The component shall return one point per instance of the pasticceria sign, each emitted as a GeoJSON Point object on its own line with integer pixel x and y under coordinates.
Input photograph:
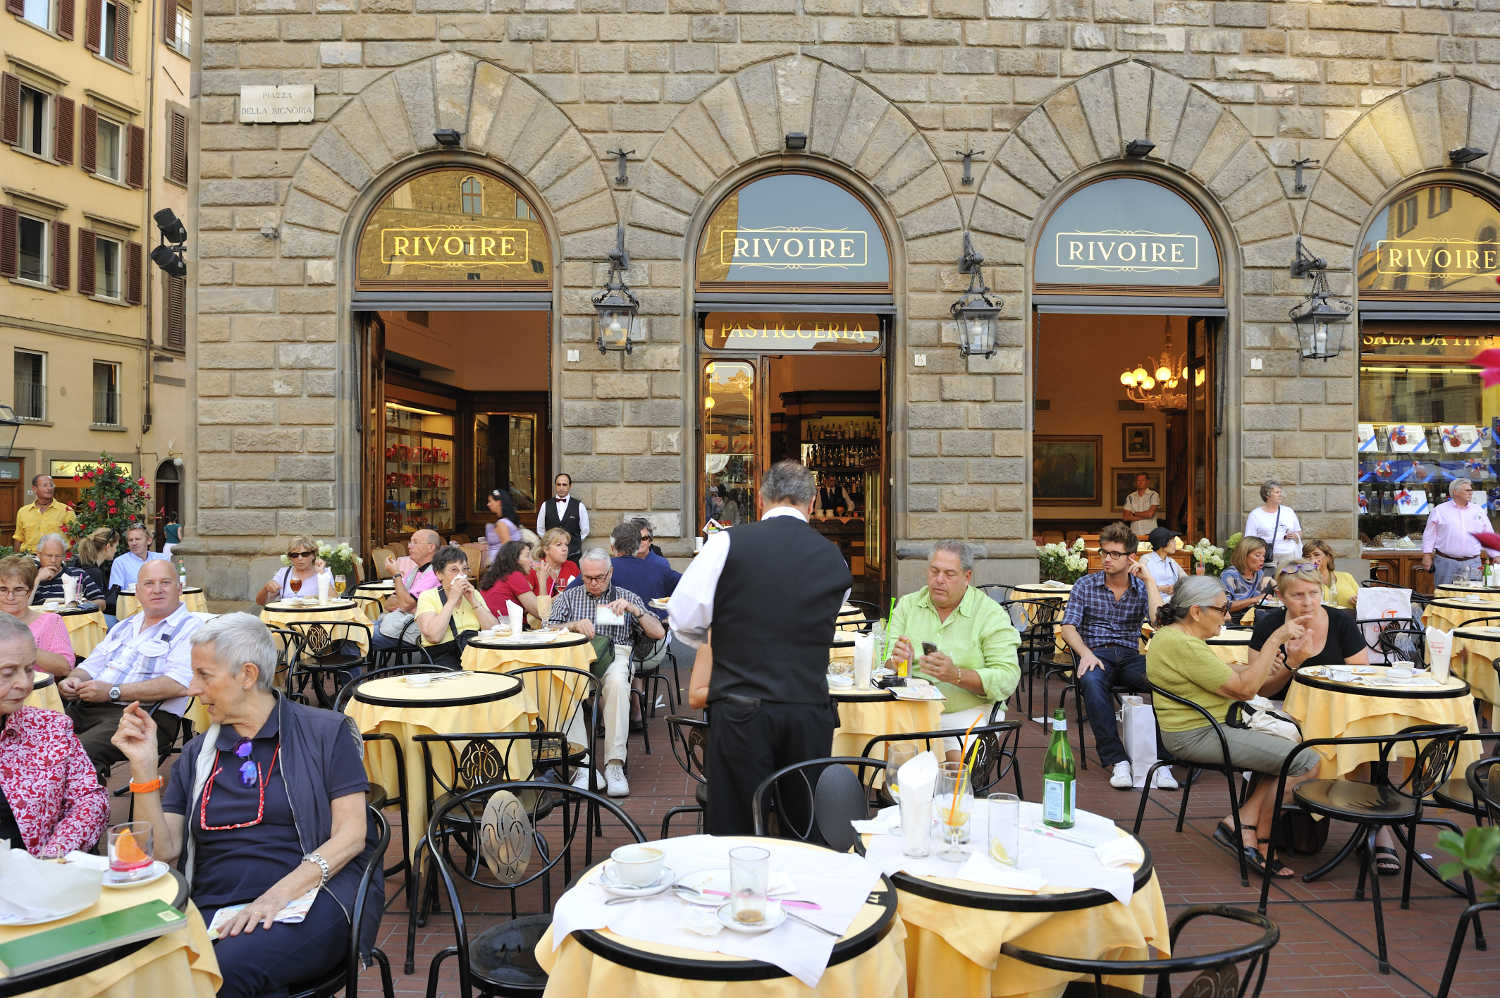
{"type": "Point", "coordinates": [450, 246]}
{"type": "Point", "coordinates": [791, 331]}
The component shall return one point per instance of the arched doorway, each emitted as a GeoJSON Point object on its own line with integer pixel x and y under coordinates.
{"type": "Point", "coordinates": [453, 289]}
{"type": "Point", "coordinates": [794, 313]}
{"type": "Point", "coordinates": [1129, 309]}
{"type": "Point", "coordinates": [168, 499]}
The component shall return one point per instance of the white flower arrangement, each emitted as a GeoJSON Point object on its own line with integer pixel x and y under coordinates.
{"type": "Point", "coordinates": [1210, 557]}
{"type": "Point", "coordinates": [1061, 562]}
{"type": "Point", "coordinates": [340, 559]}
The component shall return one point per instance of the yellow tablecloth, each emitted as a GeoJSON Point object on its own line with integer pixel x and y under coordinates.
{"type": "Point", "coordinates": [1474, 661]}
{"type": "Point", "coordinates": [46, 697]}
{"type": "Point", "coordinates": [85, 630]}
{"type": "Point", "coordinates": [1325, 714]}
{"type": "Point", "coordinates": [275, 616]}
{"type": "Point", "coordinates": [176, 965]}
{"type": "Point", "coordinates": [373, 608]}
{"type": "Point", "coordinates": [1451, 591]}
{"type": "Point", "coordinates": [859, 722]}
{"type": "Point", "coordinates": [476, 659]}
{"type": "Point", "coordinates": [514, 713]}
{"type": "Point", "coordinates": [1445, 615]}
{"type": "Point", "coordinates": [1231, 652]}
{"type": "Point", "coordinates": [127, 606]}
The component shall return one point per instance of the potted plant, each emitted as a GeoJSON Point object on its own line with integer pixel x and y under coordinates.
{"type": "Point", "coordinates": [1060, 563]}
{"type": "Point", "coordinates": [111, 498]}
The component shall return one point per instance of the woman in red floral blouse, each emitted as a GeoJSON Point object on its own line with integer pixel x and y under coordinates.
{"type": "Point", "coordinates": [51, 802]}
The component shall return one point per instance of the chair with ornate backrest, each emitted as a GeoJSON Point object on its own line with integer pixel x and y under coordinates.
{"type": "Point", "coordinates": [1038, 622]}
{"type": "Point", "coordinates": [1483, 778]}
{"type": "Point", "coordinates": [327, 648]}
{"type": "Point", "coordinates": [689, 737]}
{"type": "Point", "coordinates": [566, 700]}
{"type": "Point", "coordinates": [1218, 971]}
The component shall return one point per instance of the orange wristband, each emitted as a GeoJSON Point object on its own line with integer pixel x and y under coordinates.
{"type": "Point", "coordinates": [145, 788]}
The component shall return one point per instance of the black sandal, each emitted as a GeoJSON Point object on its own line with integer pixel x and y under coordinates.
{"type": "Point", "coordinates": [1387, 861]}
{"type": "Point", "coordinates": [1259, 861]}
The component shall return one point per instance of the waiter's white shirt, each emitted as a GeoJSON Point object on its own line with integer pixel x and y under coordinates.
{"type": "Point", "coordinates": [1138, 502]}
{"type": "Point", "coordinates": [562, 507]}
{"type": "Point", "coordinates": [691, 612]}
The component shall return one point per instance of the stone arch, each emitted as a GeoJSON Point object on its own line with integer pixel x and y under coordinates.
{"type": "Point", "coordinates": [499, 115]}
{"type": "Point", "coordinates": [1406, 135]}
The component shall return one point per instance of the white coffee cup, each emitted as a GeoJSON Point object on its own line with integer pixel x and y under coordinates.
{"type": "Point", "coordinates": [638, 865]}
{"type": "Point", "coordinates": [1399, 672]}
{"type": "Point", "coordinates": [1341, 675]}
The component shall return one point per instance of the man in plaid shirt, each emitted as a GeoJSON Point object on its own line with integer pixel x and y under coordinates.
{"type": "Point", "coordinates": [1102, 624]}
{"type": "Point", "coordinates": [592, 610]}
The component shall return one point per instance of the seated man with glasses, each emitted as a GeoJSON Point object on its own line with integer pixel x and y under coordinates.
{"type": "Point", "coordinates": [1102, 624]}
{"type": "Point", "coordinates": [613, 618]}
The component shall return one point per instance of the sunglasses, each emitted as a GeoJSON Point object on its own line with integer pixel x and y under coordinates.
{"type": "Point", "coordinates": [1297, 566]}
{"type": "Point", "coordinates": [300, 554]}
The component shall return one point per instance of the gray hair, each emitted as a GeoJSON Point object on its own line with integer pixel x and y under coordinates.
{"type": "Point", "coordinates": [141, 527]}
{"type": "Point", "coordinates": [49, 538]}
{"type": "Point", "coordinates": [1266, 487]}
{"type": "Point", "coordinates": [625, 538]}
{"type": "Point", "coordinates": [236, 638]}
{"type": "Point", "coordinates": [11, 629]}
{"type": "Point", "coordinates": [1452, 489]}
{"type": "Point", "coordinates": [595, 554]}
{"type": "Point", "coordinates": [789, 482]}
{"type": "Point", "coordinates": [964, 552]}
{"type": "Point", "coordinates": [1195, 590]}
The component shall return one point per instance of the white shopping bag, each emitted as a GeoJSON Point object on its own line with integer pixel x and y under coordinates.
{"type": "Point", "coordinates": [1138, 732]}
{"type": "Point", "coordinates": [1378, 607]}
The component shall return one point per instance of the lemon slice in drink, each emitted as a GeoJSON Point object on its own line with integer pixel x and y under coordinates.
{"type": "Point", "coordinates": [999, 855]}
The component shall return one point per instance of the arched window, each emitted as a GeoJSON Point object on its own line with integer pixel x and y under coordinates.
{"type": "Point", "coordinates": [471, 193]}
{"type": "Point", "coordinates": [1439, 238]}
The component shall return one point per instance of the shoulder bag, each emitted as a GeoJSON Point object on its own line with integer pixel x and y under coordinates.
{"type": "Point", "coordinates": [450, 652]}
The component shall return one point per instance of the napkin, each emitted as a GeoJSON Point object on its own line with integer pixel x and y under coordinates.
{"type": "Point", "coordinates": [323, 581]}
{"type": "Point", "coordinates": [70, 588]}
{"type": "Point", "coordinates": [1123, 851]}
{"type": "Point", "coordinates": [1439, 653]}
{"type": "Point", "coordinates": [864, 654]}
{"type": "Point", "coordinates": [517, 617]}
{"type": "Point", "coordinates": [916, 779]}
{"type": "Point", "coordinates": [982, 870]}
{"type": "Point", "coordinates": [50, 890]}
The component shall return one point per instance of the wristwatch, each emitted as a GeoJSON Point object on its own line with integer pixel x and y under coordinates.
{"type": "Point", "coordinates": [114, 693]}
{"type": "Point", "coordinates": [321, 863]}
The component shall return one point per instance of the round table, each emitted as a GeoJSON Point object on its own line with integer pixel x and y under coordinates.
{"type": "Point", "coordinates": [126, 604]}
{"type": "Point", "coordinates": [44, 694]}
{"type": "Point", "coordinates": [470, 702]}
{"type": "Point", "coordinates": [1475, 650]}
{"type": "Point", "coordinates": [372, 596]}
{"type": "Point", "coordinates": [1446, 614]}
{"type": "Point", "coordinates": [501, 654]}
{"type": "Point", "coordinates": [1232, 647]}
{"type": "Point", "coordinates": [180, 963]}
{"type": "Point", "coordinates": [1324, 708]}
{"type": "Point", "coordinates": [1453, 590]}
{"type": "Point", "coordinates": [282, 613]}
{"type": "Point", "coordinates": [864, 714]}
{"type": "Point", "coordinates": [86, 627]}
{"type": "Point", "coordinates": [1040, 590]}
{"type": "Point", "coordinates": [865, 962]}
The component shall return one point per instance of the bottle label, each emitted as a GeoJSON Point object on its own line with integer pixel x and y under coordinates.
{"type": "Point", "coordinates": [1057, 796]}
{"type": "Point", "coordinates": [1059, 725]}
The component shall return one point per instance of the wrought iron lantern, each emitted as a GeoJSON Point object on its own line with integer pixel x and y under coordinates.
{"type": "Point", "coordinates": [1320, 318]}
{"type": "Point", "coordinates": [617, 327]}
{"type": "Point", "coordinates": [976, 313]}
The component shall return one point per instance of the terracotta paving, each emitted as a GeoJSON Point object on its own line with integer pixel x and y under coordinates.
{"type": "Point", "coordinates": [1327, 945]}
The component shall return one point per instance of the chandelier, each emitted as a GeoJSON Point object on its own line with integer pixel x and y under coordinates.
{"type": "Point", "coordinates": [1154, 384]}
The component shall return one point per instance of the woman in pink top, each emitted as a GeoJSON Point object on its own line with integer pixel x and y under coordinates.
{"type": "Point", "coordinates": [54, 649]}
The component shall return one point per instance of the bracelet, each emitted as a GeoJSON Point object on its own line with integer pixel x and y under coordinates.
{"type": "Point", "coordinates": [145, 788]}
{"type": "Point", "coordinates": [321, 863]}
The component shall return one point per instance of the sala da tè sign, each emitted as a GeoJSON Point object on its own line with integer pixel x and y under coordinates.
{"type": "Point", "coordinates": [440, 245]}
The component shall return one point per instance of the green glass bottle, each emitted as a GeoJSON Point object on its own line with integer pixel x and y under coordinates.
{"type": "Point", "coordinates": [1059, 782]}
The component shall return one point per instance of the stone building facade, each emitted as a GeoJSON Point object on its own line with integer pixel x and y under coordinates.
{"type": "Point", "coordinates": [889, 94]}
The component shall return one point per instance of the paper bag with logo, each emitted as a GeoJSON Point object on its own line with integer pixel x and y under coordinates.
{"type": "Point", "coordinates": [1138, 733]}
{"type": "Point", "coordinates": [1379, 607]}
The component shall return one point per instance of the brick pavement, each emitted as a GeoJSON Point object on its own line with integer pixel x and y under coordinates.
{"type": "Point", "coordinates": [1328, 942]}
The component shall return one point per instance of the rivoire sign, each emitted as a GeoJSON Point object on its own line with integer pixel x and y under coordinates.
{"type": "Point", "coordinates": [447, 246]}
{"type": "Point", "coordinates": [793, 248]}
{"type": "Point", "coordinates": [1436, 258]}
{"type": "Point", "coordinates": [1127, 251]}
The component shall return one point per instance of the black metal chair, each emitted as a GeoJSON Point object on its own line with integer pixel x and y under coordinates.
{"type": "Point", "coordinates": [1372, 806]}
{"type": "Point", "coordinates": [996, 591]}
{"type": "Point", "coordinates": [814, 800]}
{"type": "Point", "coordinates": [404, 652]}
{"type": "Point", "coordinates": [500, 959]}
{"type": "Point", "coordinates": [327, 649]}
{"type": "Point", "coordinates": [1037, 621]}
{"type": "Point", "coordinates": [1218, 972]}
{"type": "Point", "coordinates": [994, 745]}
{"type": "Point", "coordinates": [1395, 638]}
{"type": "Point", "coordinates": [689, 738]}
{"type": "Point", "coordinates": [1483, 778]}
{"type": "Point", "coordinates": [1457, 793]}
{"type": "Point", "coordinates": [561, 695]}
{"type": "Point", "coordinates": [345, 978]}
{"type": "Point", "coordinates": [1230, 771]}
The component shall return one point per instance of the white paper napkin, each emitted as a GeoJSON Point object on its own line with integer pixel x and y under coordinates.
{"type": "Point", "coordinates": [982, 870]}
{"type": "Point", "coordinates": [32, 888]}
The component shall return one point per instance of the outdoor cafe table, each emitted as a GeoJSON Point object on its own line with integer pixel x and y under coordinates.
{"type": "Point", "coordinates": [1475, 650]}
{"type": "Point", "coordinates": [866, 962]}
{"type": "Point", "coordinates": [284, 612]}
{"type": "Point", "coordinates": [501, 654]}
{"type": "Point", "coordinates": [85, 626]}
{"type": "Point", "coordinates": [469, 703]}
{"type": "Point", "coordinates": [44, 694]}
{"type": "Point", "coordinates": [1232, 646]}
{"type": "Point", "coordinates": [954, 929]}
{"type": "Point", "coordinates": [1324, 708]}
{"type": "Point", "coordinates": [126, 604]}
{"type": "Point", "coordinates": [1446, 614]}
{"type": "Point", "coordinates": [863, 714]}
{"type": "Point", "coordinates": [1452, 590]}
{"type": "Point", "coordinates": [374, 589]}
{"type": "Point", "coordinates": [179, 964]}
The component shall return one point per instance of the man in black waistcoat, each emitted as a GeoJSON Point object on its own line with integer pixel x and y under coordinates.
{"type": "Point", "coordinates": [771, 591]}
{"type": "Point", "coordinates": [566, 512]}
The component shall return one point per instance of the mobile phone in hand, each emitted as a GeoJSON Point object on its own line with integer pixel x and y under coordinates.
{"type": "Point", "coordinates": [928, 648]}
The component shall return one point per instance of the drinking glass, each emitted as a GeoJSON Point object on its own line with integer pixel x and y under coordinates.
{"type": "Point", "coordinates": [749, 879]}
{"type": "Point", "coordinates": [955, 802]}
{"type": "Point", "coordinates": [1005, 828]}
{"type": "Point", "coordinates": [295, 584]}
{"type": "Point", "coordinates": [338, 584]}
{"type": "Point", "coordinates": [130, 851]}
{"type": "Point", "coordinates": [897, 754]}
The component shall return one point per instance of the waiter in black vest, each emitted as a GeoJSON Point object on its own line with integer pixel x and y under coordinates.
{"type": "Point", "coordinates": [771, 591]}
{"type": "Point", "coordinates": [566, 512]}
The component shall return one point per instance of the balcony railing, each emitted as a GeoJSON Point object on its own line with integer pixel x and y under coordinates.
{"type": "Point", "coordinates": [31, 400]}
{"type": "Point", "coordinates": [106, 408]}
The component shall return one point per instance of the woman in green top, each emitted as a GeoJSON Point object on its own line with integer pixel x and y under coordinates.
{"type": "Point", "coordinates": [1179, 662]}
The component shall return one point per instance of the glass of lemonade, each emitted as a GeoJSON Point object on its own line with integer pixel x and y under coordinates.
{"type": "Point", "coordinates": [1005, 828]}
{"type": "Point", "coordinates": [954, 804]}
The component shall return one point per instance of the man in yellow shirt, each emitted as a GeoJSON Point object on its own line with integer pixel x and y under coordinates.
{"type": "Point", "coordinates": [36, 520]}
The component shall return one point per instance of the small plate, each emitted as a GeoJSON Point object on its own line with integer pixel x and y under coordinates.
{"type": "Point", "coordinates": [49, 918]}
{"type": "Point", "coordinates": [775, 916]}
{"type": "Point", "coordinates": [842, 682]}
{"type": "Point", "coordinates": [660, 604]}
{"type": "Point", "coordinates": [158, 870]}
{"type": "Point", "coordinates": [608, 882]}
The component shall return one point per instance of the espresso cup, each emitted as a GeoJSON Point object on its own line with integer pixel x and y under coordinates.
{"type": "Point", "coordinates": [637, 865]}
{"type": "Point", "coordinates": [1341, 675]}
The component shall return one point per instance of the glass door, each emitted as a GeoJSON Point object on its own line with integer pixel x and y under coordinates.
{"type": "Point", "coordinates": [731, 436]}
{"type": "Point", "coordinates": [505, 457]}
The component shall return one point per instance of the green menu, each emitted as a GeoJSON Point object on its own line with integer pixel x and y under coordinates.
{"type": "Point", "coordinates": [90, 936]}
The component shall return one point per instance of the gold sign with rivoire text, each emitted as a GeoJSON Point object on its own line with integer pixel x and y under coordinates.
{"type": "Point", "coordinates": [793, 249]}
{"type": "Point", "coordinates": [1127, 251]}
{"type": "Point", "coordinates": [444, 246]}
{"type": "Point", "coordinates": [1437, 258]}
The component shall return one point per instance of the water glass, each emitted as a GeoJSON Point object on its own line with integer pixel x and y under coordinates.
{"type": "Point", "coordinates": [130, 851]}
{"type": "Point", "coordinates": [955, 802]}
{"type": "Point", "coordinates": [897, 754]}
{"type": "Point", "coordinates": [749, 881]}
{"type": "Point", "coordinates": [916, 825]}
{"type": "Point", "coordinates": [1005, 828]}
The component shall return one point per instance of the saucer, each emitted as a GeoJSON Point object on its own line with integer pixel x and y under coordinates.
{"type": "Point", "coordinates": [843, 682]}
{"type": "Point", "coordinates": [158, 870]}
{"type": "Point", "coordinates": [608, 882]}
{"type": "Point", "coordinates": [774, 917]}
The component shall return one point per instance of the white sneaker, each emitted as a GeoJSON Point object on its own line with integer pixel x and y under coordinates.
{"type": "Point", "coordinates": [614, 780]}
{"type": "Point", "coordinates": [1122, 780]}
{"type": "Point", "coordinates": [1164, 780]}
{"type": "Point", "coordinates": [581, 778]}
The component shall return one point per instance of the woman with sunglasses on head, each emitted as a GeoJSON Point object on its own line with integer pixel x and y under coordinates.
{"type": "Point", "coordinates": [1326, 639]}
{"type": "Point", "coordinates": [1179, 661]}
{"type": "Point", "coordinates": [299, 577]}
{"type": "Point", "coordinates": [266, 806]}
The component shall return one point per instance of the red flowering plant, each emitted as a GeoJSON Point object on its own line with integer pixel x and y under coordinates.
{"type": "Point", "coordinates": [110, 498]}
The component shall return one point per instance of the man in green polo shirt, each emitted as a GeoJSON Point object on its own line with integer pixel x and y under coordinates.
{"type": "Point", "coordinates": [975, 665]}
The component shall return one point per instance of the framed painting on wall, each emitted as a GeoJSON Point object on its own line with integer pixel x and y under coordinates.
{"type": "Point", "coordinates": [1066, 471]}
{"type": "Point", "coordinates": [1122, 483]}
{"type": "Point", "coordinates": [1138, 441]}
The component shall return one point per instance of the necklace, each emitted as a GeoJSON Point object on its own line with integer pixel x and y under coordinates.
{"type": "Point", "coordinates": [249, 773]}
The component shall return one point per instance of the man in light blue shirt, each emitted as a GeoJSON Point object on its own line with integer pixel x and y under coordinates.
{"type": "Point", "coordinates": [128, 565]}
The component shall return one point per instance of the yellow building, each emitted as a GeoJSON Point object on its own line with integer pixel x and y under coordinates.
{"type": "Point", "coordinates": [88, 91]}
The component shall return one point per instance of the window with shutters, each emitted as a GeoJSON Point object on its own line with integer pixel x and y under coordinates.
{"type": "Point", "coordinates": [106, 393]}
{"type": "Point", "coordinates": [35, 122]}
{"type": "Point", "coordinates": [177, 146]}
{"type": "Point", "coordinates": [31, 385]}
{"type": "Point", "coordinates": [182, 31]}
{"type": "Point", "coordinates": [174, 312]}
{"type": "Point", "coordinates": [32, 254]}
{"type": "Point", "coordinates": [109, 150]}
{"type": "Point", "coordinates": [114, 31]}
{"type": "Point", "coordinates": [109, 265]}
{"type": "Point", "coordinates": [38, 12]}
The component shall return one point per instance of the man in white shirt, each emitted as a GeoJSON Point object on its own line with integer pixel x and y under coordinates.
{"type": "Point", "coordinates": [564, 511]}
{"type": "Point", "coordinates": [1141, 506]}
{"type": "Point", "coordinates": [145, 659]}
{"type": "Point", "coordinates": [128, 565]}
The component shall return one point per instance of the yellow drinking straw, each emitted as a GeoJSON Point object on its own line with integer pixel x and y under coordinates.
{"type": "Point", "coordinates": [963, 769]}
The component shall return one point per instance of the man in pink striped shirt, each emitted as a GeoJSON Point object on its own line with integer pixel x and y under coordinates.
{"type": "Point", "coordinates": [1449, 535]}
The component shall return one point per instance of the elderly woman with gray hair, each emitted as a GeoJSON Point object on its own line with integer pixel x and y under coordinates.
{"type": "Point", "coordinates": [1277, 525]}
{"type": "Point", "coordinates": [1181, 663]}
{"type": "Point", "coordinates": [263, 808]}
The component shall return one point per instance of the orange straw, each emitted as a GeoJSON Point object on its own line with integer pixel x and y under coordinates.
{"type": "Point", "coordinates": [963, 768]}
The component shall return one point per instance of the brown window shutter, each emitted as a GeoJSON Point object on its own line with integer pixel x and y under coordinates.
{"type": "Point", "coordinates": [86, 262]}
{"type": "Point", "coordinates": [135, 167]}
{"type": "Point", "coordinates": [174, 316]}
{"type": "Point", "coordinates": [177, 162]}
{"type": "Point", "coordinates": [122, 33]}
{"type": "Point", "coordinates": [10, 236]}
{"type": "Point", "coordinates": [62, 130]}
{"type": "Point", "coordinates": [133, 275]}
{"type": "Point", "coordinates": [93, 20]}
{"type": "Point", "coordinates": [10, 97]}
{"type": "Point", "coordinates": [88, 138]}
{"type": "Point", "coordinates": [17, 7]}
{"type": "Point", "coordinates": [65, 17]}
{"type": "Point", "coordinates": [62, 255]}
{"type": "Point", "coordinates": [169, 21]}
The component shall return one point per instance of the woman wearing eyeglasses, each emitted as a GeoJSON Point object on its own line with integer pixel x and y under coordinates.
{"type": "Point", "coordinates": [299, 577]}
{"type": "Point", "coordinates": [1180, 662]}
{"type": "Point", "coordinates": [265, 807]}
{"type": "Point", "coordinates": [54, 649]}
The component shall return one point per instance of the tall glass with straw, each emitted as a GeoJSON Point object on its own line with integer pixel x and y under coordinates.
{"type": "Point", "coordinates": [955, 803]}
